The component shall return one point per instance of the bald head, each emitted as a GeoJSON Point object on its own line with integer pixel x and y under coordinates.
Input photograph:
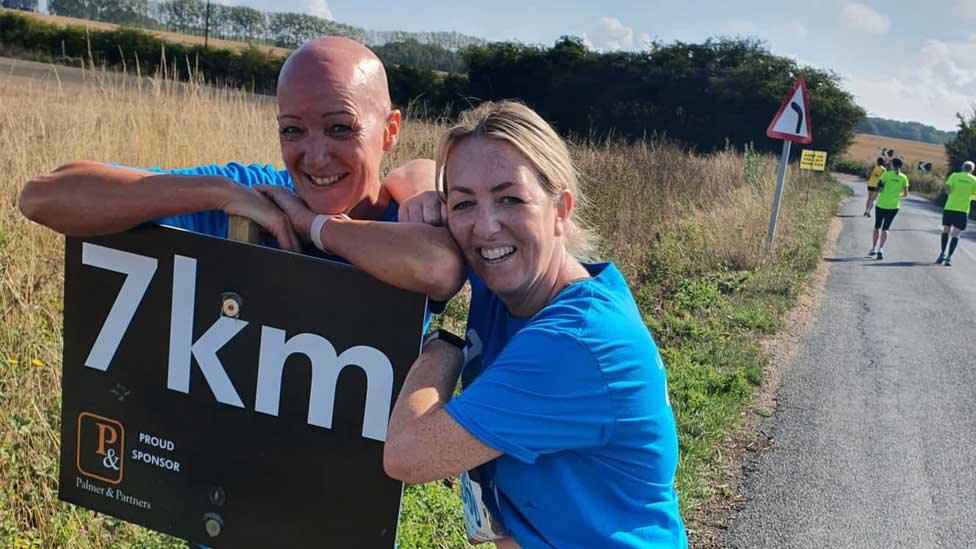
{"type": "Point", "coordinates": [337, 65]}
{"type": "Point", "coordinates": [335, 124]}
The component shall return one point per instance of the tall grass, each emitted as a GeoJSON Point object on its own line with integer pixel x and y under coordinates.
{"type": "Point", "coordinates": [686, 229]}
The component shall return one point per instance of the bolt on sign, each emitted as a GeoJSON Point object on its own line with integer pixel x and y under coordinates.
{"type": "Point", "coordinates": [229, 394]}
{"type": "Point", "coordinates": [813, 160]}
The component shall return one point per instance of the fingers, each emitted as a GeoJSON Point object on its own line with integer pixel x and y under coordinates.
{"type": "Point", "coordinates": [279, 225]}
{"type": "Point", "coordinates": [285, 236]}
{"type": "Point", "coordinates": [412, 211]}
{"type": "Point", "coordinates": [423, 208]}
{"type": "Point", "coordinates": [276, 220]}
{"type": "Point", "coordinates": [432, 212]}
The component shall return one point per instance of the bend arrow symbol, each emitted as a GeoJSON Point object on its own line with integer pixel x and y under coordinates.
{"type": "Point", "coordinates": [799, 115]}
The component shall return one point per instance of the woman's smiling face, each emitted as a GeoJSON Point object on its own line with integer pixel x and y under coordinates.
{"type": "Point", "coordinates": [503, 221]}
{"type": "Point", "coordinates": [333, 136]}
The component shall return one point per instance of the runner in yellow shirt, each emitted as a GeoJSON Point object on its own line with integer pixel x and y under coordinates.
{"type": "Point", "coordinates": [892, 186]}
{"type": "Point", "coordinates": [876, 173]}
{"type": "Point", "coordinates": [961, 186]}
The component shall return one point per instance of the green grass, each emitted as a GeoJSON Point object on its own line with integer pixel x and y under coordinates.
{"type": "Point", "coordinates": [709, 337]}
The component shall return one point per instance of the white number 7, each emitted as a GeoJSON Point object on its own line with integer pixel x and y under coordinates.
{"type": "Point", "coordinates": [139, 271]}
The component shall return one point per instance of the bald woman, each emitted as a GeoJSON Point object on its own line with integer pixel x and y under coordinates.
{"type": "Point", "coordinates": [335, 124]}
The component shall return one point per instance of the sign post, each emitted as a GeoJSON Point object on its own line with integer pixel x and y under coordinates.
{"type": "Point", "coordinates": [229, 394]}
{"type": "Point", "coordinates": [791, 124]}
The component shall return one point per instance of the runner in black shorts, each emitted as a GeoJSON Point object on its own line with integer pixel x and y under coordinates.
{"type": "Point", "coordinates": [893, 185]}
{"type": "Point", "coordinates": [958, 220]}
{"type": "Point", "coordinates": [960, 189]}
{"type": "Point", "coordinates": [883, 218]}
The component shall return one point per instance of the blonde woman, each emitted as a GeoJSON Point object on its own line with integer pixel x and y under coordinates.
{"type": "Point", "coordinates": [873, 178]}
{"type": "Point", "coordinates": [563, 433]}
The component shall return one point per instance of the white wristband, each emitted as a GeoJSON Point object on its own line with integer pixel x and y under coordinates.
{"type": "Point", "coordinates": [316, 232]}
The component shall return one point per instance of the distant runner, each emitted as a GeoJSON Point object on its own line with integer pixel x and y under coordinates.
{"type": "Point", "coordinates": [876, 173]}
{"type": "Point", "coordinates": [893, 186]}
{"type": "Point", "coordinates": [961, 186]}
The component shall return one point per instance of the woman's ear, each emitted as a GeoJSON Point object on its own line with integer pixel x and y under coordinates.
{"type": "Point", "coordinates": [564, 207]}
{"type": "Point", "coordinates": [391, 133]}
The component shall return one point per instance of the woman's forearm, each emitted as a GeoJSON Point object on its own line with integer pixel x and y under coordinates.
{"type": "Point", "coordinates": [89, 198]}
{"type": "Point", "coordinates": [412, 256]}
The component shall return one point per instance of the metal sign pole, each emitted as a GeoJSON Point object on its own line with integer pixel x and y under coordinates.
{"type": "Point", "coordinates": [777, 198]}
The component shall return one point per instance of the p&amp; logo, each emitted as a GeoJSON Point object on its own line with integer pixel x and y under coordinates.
{"type": "Point", "coordinates": [101, 445]}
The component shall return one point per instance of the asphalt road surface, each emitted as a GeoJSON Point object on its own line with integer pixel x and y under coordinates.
{"type": "Point", "coordinates": [874, 438]}
{"type": "Point", "coordinates": [42, 74]}
{"type": "Point", "coordinates": [18, 74]}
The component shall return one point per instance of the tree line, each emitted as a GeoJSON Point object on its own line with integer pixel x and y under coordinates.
{"type": "Point", "coordinates": [720, 93]}
{"type": "Point", "coordinates": [963, 146]}
{"type": "Point", "coordinates": [913, 131]}
{"type": "Point", "coordinates": [708, 96]}
{"type": "Point", "coordinates": [437, 51]}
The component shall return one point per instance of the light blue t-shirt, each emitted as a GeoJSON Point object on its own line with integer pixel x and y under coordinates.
{"type": "Point", "coordinates": [214, 222]}
{"type": "Point", "coordinates": [576, 399]}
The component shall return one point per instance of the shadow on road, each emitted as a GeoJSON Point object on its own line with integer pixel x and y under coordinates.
{"type": "Point", "coordinates": [967, 235]}
{"type": "Point", "coordinates": [902, 264]}
{"type": "Point", "coordinates": [848, 259]}
{"type": "Point", "coordinates": [924, 204]}
{"type": "Point", "coordinates": [848, 215]}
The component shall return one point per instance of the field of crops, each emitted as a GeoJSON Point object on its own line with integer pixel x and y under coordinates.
{"type": "Point", "coordinates": [866, 148]}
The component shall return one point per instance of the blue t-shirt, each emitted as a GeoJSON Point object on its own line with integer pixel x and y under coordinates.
{"type": "Point", "coordinates": [214, 222]}
{"type": "Point", "coordinates": [575, 398]}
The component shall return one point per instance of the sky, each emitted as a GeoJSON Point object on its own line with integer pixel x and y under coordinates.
{"type": "Point", "coordinates": [902, 59]}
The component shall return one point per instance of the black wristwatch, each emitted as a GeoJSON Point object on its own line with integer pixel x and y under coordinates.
{"type": "Point", "coordinates": [446, 337]}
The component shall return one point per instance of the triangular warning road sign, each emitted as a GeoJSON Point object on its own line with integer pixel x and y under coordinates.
{"type": "Point", "coordinates": [792, 121]}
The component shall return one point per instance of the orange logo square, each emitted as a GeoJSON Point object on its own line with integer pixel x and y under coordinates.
{"type": "Point", "coordinates": [101, 447]}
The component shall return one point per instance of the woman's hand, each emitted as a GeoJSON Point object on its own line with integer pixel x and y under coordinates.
{"type": "Point", "coordinates": [294, 208]}
{"type": "Point", "coordinates": [257, 207]}
{"type": "Point", "coordinates": [411, 178]}
{"type": "Point", "coordinates": [425, 207]}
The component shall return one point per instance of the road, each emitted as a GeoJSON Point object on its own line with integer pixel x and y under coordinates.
{"type": "Point", "coordinates": [874, 437]}
{"type": "Point", "coordinates": [42, 74]}
{"type": "Point", "coordinates": [31, 75]}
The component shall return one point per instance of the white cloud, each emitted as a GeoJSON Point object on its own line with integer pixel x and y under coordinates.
{"type": "Point", "coordinates": [739, 27]}
{"type": "Point", "coordinates": [612, 35]}
{"type": "Point", "coordinates": [860, 17]}
{"type": "Point", "coordinates": [966, 8]}
{"type": "Point", "coordinates": [936, 84]}
{"type": "Point", "coordinates": [318, 8]}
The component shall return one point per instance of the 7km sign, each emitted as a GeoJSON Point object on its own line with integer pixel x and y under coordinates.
{"type": "Point", "coordinates": [229, 394]}
{"type": "Point", "coordinates": [791, 124]}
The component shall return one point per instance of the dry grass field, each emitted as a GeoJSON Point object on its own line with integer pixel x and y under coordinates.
{"type": "Point", "coordinates": [866, 148]}
{"type": "Point", "coordinates": [167, 36]}
{"type": "Point", "coordinates": [687, 230]}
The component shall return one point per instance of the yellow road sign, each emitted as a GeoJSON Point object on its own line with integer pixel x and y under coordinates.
{"type": "Point", "coordinates": [813, 160]}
